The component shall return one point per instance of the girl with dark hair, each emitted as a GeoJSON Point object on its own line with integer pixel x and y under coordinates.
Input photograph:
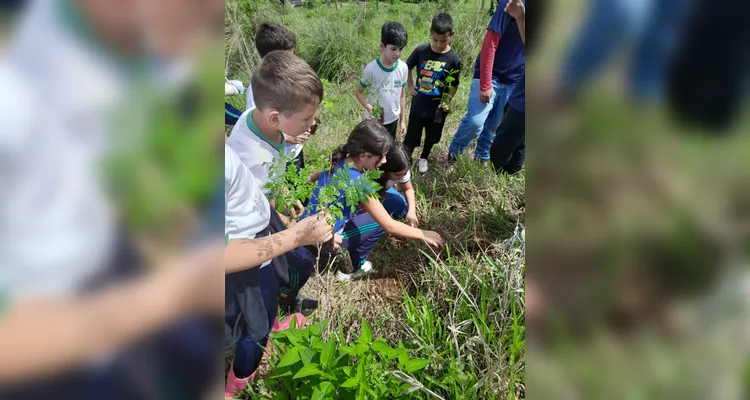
{"type": "Point", "coordinates": [366, 149]}
{"type": "Point", "coordinates": [396, 179]}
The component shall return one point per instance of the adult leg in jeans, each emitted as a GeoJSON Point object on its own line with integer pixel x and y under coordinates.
{"type": "Point", "coordinates": [654, 47]}
{"type": "Point", "coordinates": [360, 235]}
{"type": "Point", "coordinates": [508, 143]}
{"type": "Point", "coordinates": [501, 93]}
{"type": "Point", "coordinates": [475, 119]}
{"type": "Point", "coordinates": [395, 203]}
{"type": "Point", "coordinates": [608, 25]}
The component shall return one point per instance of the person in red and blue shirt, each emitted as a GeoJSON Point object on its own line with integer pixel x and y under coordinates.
{"type": "Point", "coordinates": [508, 150]}
{"type": "Point", "coordinates": [497, 70]}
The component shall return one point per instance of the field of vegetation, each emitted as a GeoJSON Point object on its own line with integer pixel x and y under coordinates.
{"type": "Point", "coordinates": [425, 324]}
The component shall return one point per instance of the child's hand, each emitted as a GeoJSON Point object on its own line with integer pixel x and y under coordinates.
{"type": "Point", "coordinates": [433, 239]}
{"type": "Point", "coordinates": [299, 207]}
{"type": "Point", "coordinates": [369, 108]}
{"type": "Point", "coordinates": [412, 219]}
{"type": "Point", "coordinates": [301, 139]}
{"type": "Point", "coordinates": [412, 89]}
{"type": "Point", "coordinates": [313, 230]}
{"type": "Point", "coordinates": [337, 240]}
{"type": "Point", "coordinates": [444, 107]}
{"type": "Point", "coordinates": [402, 128]}
{"type": "Point", "coordinates": [516, 9]}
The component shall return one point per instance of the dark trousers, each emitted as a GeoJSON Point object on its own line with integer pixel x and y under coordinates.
{"type": "Point", "coordinates": [433, 133]}
{"type": "Point", "coordinates": [249, 351]}
{"type": "Point", "coordinates": [508, 150]}
{"type": "Point", "coordinates": [392, 128]}
{"type": "Point", "coordinates": [231, 114]}
{"type": "Point", "coordinates": [252, 297]}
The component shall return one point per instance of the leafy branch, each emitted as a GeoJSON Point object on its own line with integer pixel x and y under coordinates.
{"type": "Point", "coordinates": [446, 85]}
{"type": "Point", "coordinates": [287, 187]}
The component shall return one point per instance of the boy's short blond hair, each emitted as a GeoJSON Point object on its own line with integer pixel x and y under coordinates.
{"type": "Point", "coordinates": [286, 83]}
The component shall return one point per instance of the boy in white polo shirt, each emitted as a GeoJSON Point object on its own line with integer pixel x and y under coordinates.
{"type": "Point", "coordinates": [255, 239]}
{"type": "Point", "coordinates": [384, 79]}
{"type": "Point", "coordinates": [287, 93]}
{"type": "Point", "coordinates": [271, 37]}
{"type": "Point", "coordinates": [257, 137]}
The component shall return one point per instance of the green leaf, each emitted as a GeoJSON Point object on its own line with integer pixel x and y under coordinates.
{"type": "Point", "coordinates": [359, 348]}
{"type": "Point", "coordinates": [382, 347]}
{"type": "Point", "coordinates": [317, 343]}
{"type": "Point", "coordinates": [282, 372]}
{"type": "Point", "coordinates": [341, 361]}
{"type": "Point", "coordinates": [308, 370]}
{"type": "Point", "coordinates": [328, 353]}
{"type": "Point", "coordinates": [322, 390]}
{"type": "Point", "coordinates": [348, 370]}
{"type": "Point", "coordinates": [306, 355]}
{"type": "Point", "coordinates": [397, 352]}
{"type": "Point", "coordinates": [351, 382]}
{"type": "Point", "coordinates": [416, 364]}
{"type": "Point", "coordinates": [315, 329]}
{"type": "Point", "coordinates": [366, 332]}
{"type": "Point", "coordinates": [291, 357]}
{"type": "Point", "coordinates": [361, 371]}
{"type": "Point", "coordinates": [295, 337]}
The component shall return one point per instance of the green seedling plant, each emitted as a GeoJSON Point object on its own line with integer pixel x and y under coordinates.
{"type": "Point", "coordinates": [308, 366]}
{"type": "Point", "coordinates": [155, 183]}
{"type": "Point", "coordinates": [288, 188]}
{"type": "Point", "coordinates": [373, 92]}
{"type": "Point", "coordinates": [446, 86]}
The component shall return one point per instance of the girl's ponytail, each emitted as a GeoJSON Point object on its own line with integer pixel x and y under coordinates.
{"type": "Point", "coordinates": [337, 156]}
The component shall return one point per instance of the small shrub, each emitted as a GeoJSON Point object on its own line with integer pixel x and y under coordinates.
{"type": "Point", "coordinates": [308, 366]}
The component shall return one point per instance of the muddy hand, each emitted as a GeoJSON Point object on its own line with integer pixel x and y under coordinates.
{"type": "Point", "coordinates": [314, 230]}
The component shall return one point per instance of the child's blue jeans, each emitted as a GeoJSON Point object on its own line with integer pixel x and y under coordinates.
{"type": "Point", "coordinates": [395, 203]}
{"type": "Point", "coordinates": [481, 120]}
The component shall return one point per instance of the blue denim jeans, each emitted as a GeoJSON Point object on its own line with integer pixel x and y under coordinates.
{"type": "Point", "coordinates": [611, 25]}
{"type": "Point", "coordinates": [481, 120]}
{"type": "Point", "coordinates": [395, 203]}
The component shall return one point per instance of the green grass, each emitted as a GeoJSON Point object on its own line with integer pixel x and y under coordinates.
{"type": "Point", "coordinates": [462, 308]}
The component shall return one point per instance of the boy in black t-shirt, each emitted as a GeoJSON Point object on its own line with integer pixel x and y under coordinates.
{"type": "Point", "coordinates": [435, 61]}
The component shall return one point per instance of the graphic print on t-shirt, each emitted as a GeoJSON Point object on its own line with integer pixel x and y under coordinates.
{"type": "Point", "coordinates": [430, 71]}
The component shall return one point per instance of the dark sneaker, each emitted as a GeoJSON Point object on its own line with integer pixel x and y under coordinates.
{"type": "Point", "coordinates": [302, 305]}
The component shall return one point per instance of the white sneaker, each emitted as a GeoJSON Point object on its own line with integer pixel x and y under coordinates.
{"type": "Point", "coordinates": [422, 165]}
{"type": "Point", "coordinates": [362, 271]}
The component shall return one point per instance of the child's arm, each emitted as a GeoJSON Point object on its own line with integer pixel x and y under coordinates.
{"type": "Point", "coordinates": [360, 94]}
{"type": "Point", "coordinates": [396, 228]}
{"type": "Point", "coordinates": [315, 176]}
{"type": "Point", "coordinates": [104, 322]}
{"type": "Point", "coordinates": [242, 254]}
{"type": "Point", "coordinates": [411, 215]}
{"type": "Point", "coordinates": [410, 83]}
{"type": "Point", "coordinates": [402, 117]}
